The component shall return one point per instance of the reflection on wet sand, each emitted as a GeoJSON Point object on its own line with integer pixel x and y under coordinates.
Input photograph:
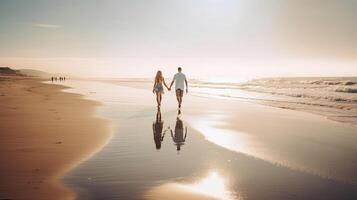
{"type": "Point", "coordinates": [287, 145]}
{"type": "Point", "coordinates": [253, 140]}
{"type": "Point", "coordinates": [157, 127]}
{"type": "Point", "coordinates": [178, 137]}
{"type": "Point", "coordinates": [213, 186]}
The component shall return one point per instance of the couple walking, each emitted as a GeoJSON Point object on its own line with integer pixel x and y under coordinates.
{"type": "Point", "coordinates": [180, 82]}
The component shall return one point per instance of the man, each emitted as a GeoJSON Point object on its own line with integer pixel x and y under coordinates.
{"type": "Point", "coordinates": [180, 81]}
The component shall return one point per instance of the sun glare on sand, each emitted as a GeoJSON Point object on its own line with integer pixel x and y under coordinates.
{"type": "Point", "coordinates": [211, 187]}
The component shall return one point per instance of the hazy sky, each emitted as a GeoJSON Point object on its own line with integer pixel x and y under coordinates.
{"type": "Point", "coordinates": [209, 38]}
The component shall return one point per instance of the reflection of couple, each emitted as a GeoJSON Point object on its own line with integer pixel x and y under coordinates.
{"type": "Point", "coordinates": [180, 81]}
{"type": "Point", "coordinates": [178, 136]}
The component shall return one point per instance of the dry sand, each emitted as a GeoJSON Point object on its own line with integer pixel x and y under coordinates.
{"type": "Point", "coordinates": [43, 133]}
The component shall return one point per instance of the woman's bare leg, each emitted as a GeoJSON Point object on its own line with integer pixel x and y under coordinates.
{"type": "Point", "coordinates": [158, 99]}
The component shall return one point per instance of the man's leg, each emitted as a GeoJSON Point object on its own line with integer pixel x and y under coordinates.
{"type": "Point", "coordinates": [178, 97]}
{"type": "Point", "coordinates": [179, 94]}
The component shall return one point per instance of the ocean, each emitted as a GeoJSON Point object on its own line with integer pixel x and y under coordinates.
{"type": "Point", "coordinates": [333, 97]}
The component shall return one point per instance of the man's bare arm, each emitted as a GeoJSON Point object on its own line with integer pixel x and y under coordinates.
{"type": "Point", "coordinates": [186, 86]}
{"type": "Point", "coordinates": [166, 85]}
{"type": "Point", "coordinates": [172, 83]}
{"type": "Point", "coordinates": [172, 134]}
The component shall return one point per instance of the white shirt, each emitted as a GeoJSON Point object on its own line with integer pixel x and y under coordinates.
{"type": "Point", "coordinates": [179, 79]}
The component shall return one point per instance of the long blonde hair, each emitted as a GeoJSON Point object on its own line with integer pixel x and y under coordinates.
{"type": "Point", "coordinates": [159, 76]}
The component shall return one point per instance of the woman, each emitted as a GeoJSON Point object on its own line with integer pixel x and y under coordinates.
{"type": "Point", "coordinates": [158, 87]}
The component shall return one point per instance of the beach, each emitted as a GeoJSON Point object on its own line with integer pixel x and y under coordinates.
{"type": "Point", "coordinates": [233, 149]}
{"type": "Point", "coordinates": [57, 145]}
{"type": "Point", "coordinates": [185, 99]}
{"type": "Point", "coordinates": [44, 134]}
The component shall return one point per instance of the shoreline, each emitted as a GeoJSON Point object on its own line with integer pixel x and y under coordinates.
{"type": "Point", "coordinates": [326, 111]}
{"type": "Point", "coordinates": [45, 133]}
{"type": "Point", "coordinates": [244, 125]}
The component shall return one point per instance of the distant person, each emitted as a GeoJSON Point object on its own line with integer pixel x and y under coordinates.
{"type": "Point", "coordinates": [157, 127]}
{"type": "Point", "coordinates": [158, 87]}
{"type": "Point", "coordinates": [64, 78]}
{"type": "Point", "coordinates": [180, 81]}
{"type": "Point", "coordinates": [179, 137]}
{"type": "Point", "coordinates": [52, 78]}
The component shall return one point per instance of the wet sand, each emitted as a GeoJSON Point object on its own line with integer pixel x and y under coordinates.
{"type": "Point", "coordinates": [233, 150]}
{"type": "Point", "coordinates": [44, 134]}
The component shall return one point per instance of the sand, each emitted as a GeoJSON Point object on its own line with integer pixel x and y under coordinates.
{"type": "Point", "coordinates": [235, 149]}
{"type": "Point", "coordinates": [256, 151]}
{"type": "Point", "coordinates": [43, 134]}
